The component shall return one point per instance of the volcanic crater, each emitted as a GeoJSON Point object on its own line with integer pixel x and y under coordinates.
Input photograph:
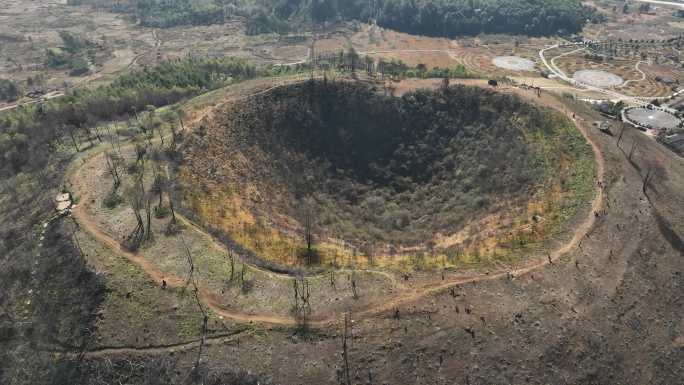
{"type": "Point", "coordinates": [341, 173]}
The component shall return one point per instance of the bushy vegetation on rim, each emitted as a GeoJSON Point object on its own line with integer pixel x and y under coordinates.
{"type": "Point", "coordinates": [8, 90]}
{"type": "Point", "coordinates": [376, 168]}
{"type": "Point", "coordinates": [426, 17]}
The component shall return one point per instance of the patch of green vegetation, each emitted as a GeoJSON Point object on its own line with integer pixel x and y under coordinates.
{"type": "Point", "coordinates": [306, 333]}
{"type": "Point", "coordinates": [571, 169]}
{"type": "Point", "coordinates": [27, 135]}
{"type": "Point", "coordinates": [401, 69]}
{"type": "Point", "coordinates": [579, 185]}
{"type": "Point", "coordinates": [112, 200]}
{"type": "Point", "coordinates": [9, 91]}
{"type": "Point", "coordinates": [71, 55]}
{"type": "Point", "coordinates": [422, 17]}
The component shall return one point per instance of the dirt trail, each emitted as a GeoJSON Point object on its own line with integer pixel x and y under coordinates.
{"type": "Point", "coordinates": [579, 233]}
{"type": "Point", "coordinates": [212, 302]}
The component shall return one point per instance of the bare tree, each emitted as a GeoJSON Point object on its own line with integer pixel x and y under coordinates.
{"type": "Point", "coordinates": [148, 212]}
{"type": "Point", "coordinates": [205, 317]}
{"type": "Point", "coordinates": [191, 264]}
{"type": "Point", "coordinates": [113, 164]}
{"type": "Point", "coordinates": [174, 137]}
{"type": "Point", "coordinates": [245, 285]}
{"type": "Point", "coordinates": [302, 308]}
{"type": "Point", "coordinates": [346, 377]}
{"type": "Point", "coordinates": [173, 226]}
{"type": "Point", "coordinates": [308, 227]}
{"type": "Point", "coordinates": [140, 152]}
{"type": "Point", "coordinates": [369, 251]}
{"type": "Point", "coordinates": [232, 264]}
{"type": "Point", "coordinates": [622, 131]}
{"type": "Point", "coordinates": [352, 279]}
{"type": "Point", "coordinates": [159, 185]}
{"type": "Point", "coordinates": [136, 197]}
{"type": "Point", "coordinates": [72, 134]}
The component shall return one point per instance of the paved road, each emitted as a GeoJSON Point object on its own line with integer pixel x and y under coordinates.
{"type": "Point", "coordinates": [670, 3]}
{"type": "Point", "coordinates": [45, 97]}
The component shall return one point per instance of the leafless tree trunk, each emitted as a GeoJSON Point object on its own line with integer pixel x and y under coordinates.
{"type": "Point", "coordinates": [140, 152]}
{"type": "Point", "coordinates": [345, 350]}
{"type": "Point", "coordinates": [622, 131]}
{"type": "Point", "coordinates": [173, 212]}
{"type": "Point", "coordinates": [113, 168]}
{"type": "Point", "coordinates": [242, 275]}
{"type": "Point", "coordinates": [370, 253]}
{"type": "Point", "coordinates": [308, 223]}
{"type": "Point", "coordinates": [160, 131]}
{"type": "Point", "coordinates": [353, 284]}
{"type": "Point", "coordinates": [205, 317]}
{"type": "Point", "coordinates": [174, 137]}
{"type": "Point", "coordinates": [89, 135]}
{"type": "Point", "coordinates": [302, 309]}
{"type": "Point", "coordinates": [191, 264]}
{"type": "Point", "coordinates": [148, 211]}
{"type": "Point", "coordinates": [232, 264]}
{"type": "Point", "coordinates": [73, 139]}
{"type": "Point", "coordinates": [136, 198]}
{"type": "Point", "coordinates": [173, 226]}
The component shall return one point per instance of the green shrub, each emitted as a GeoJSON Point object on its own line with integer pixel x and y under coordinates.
{"type": "Point", "coordinates": [112, 200]}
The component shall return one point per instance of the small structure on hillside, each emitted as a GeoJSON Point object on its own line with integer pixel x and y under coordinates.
{"type": "Point", "coordinates": [604, 126]}
{"type": "Point", "coordinates": [666, 80]}
{"type": "Point", "coordinates": [63, 203]}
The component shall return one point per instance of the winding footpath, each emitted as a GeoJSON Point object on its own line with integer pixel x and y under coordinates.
{"type": "Point", "coordinates": [550, 65]}
{"type": "Point", "coordinates": [211, 301]}
{"type": "Point", "coordinates": [638, 101]}
{"type": "Point", "coordinates": [643, 75]}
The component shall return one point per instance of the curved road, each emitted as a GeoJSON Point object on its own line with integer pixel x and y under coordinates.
{"type": "Point", "coordinates": [658, 2]}
{"type": "Point", "coordinates": [561, 75]}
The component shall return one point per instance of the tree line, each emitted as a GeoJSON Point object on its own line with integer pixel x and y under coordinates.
{"type": "Point", "coordinates": [424, 17]}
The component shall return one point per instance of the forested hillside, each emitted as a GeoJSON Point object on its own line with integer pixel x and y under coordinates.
{"type": "Point", "coordinates": [27, 133]}
{"type": "Point", "coordinates": [425, 17]}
